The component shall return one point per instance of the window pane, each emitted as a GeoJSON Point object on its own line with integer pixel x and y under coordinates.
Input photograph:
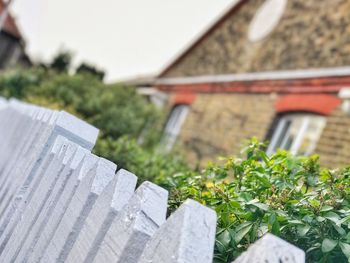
{"type": "Point", "coordinates": [295, 125]}
{"type": "Point", "coordinates": [281, 131]}
{"type": "Point", "coordinates": [311, 136]}
{"type": "Point", "coordinates": [174, 124]}
{"type": "Point", "coordinates": [283, 134]}
{"type": "Point", "coordinates": [298, 133]}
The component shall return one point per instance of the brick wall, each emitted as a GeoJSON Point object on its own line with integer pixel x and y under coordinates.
{"type": "Point", "coordinates": [334, 144]}
{"type": "Point", "coordinates": [311, 34]}
{"type": "Point", "coordinates": [218, 124]}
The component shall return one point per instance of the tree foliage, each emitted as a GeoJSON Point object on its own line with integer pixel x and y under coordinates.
{"type": "Point", "coordinates": [118, 111]}
{"type": "Point", "coordinates": [61, 62]}
{"type": "Point", "coordinates": [85, 68]}
{"type": "Point", "coordinates": [148, 164]}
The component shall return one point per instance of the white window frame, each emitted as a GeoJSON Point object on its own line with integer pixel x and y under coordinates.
{"type": "Point", "coordinates": [283, 129]}
{"type": "Point", "coordinates": [174, 124]}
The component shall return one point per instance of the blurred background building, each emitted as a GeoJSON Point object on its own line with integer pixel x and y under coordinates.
{"type": "Point", "coordinates": [12, 46]}
{"type": "Point", "coordinates": [275, 69]}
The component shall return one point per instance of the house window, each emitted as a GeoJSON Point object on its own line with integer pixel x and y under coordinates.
{"type": "Point", "coordinates": [297, 133]}
{"type": "Point", "coordinates": [172, 128]}
{"type": "Point", "coordinates": [266, 19]}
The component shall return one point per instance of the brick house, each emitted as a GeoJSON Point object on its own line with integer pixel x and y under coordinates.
{"type": "Point", "coordinates": [275, 69]}
{"type": "Point", "coordinates": [12, 46]}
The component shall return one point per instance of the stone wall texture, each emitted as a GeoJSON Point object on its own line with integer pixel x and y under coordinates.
{"type": "Point", "coordinates": [218, 124]}
{"type": "Point", "coordinates": [311, 34]}
{"type": "Point", "coordinates": [334, 144]}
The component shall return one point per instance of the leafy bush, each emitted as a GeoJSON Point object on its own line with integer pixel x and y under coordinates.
{"type": "Point", "coordinates": [291, 197]}
{"type": "Point", "coordinates": [145, 163]}
{"type": "Point", "coordinates": [115, 109]}
{"type": "Point", "coordinates": [118, 111]}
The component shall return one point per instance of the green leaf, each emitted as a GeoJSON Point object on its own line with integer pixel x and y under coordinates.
{"type": "Point", "coordinates": [345, 248]}
{"type": "Point", "coordinates": [314, 247]}
{"type": "Point", "coordinates": [326, 208]}
{"type": "Point", "coordinates": [332, 217]}
{"type": "Point", "coordinates": [276, 228]}
{"type": "Point", "coordinates": [259, 205]}
{"type": "Point", "coordinates": [340, 230]}
{"type": "Point", "coordinates": [243, 225]}
{"type": "Point", "coordinates": [295, 222]}
{"type": "Point", "coordinates": [314, 203]}
{"type": "Point", "coordinates": [235, 204]}
{"type": "Point", "coordinates": [320, 219]}
{"type": "Point", "coordinates": [245, 196]}
{"type": "Point", "coordinates": [220, 247]}
{"type": "Point", "coordinates": [264, 156]}
{"type": "Point", "coordinates": [225, 238]}
{"type": "Point", "coordinates": [302, 230]}
{"type": "Point", "coordinates": [328, 245]}
{"type": "Point", "coordinates": [241, 233]}
{"type": "Point", "coordinates": [272, 218]}
{"type": "Point", "coordinates": [263, 179]}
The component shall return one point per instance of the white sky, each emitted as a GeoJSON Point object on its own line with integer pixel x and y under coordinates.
{"type": "Point", "coordinates": [124, 37]}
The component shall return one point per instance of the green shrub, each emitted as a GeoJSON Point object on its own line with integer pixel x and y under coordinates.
{"type": "Point", "coordinates": [291, 197]}
{"type": "Point", "coordinates": [146, 164]}
{"type": "Point", "coordinates": [118, 111]}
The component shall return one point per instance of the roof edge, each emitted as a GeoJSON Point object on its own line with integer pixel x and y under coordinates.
{"type": "Point", "coordinates": [10, 25]}
{"type": "Point", "coordinates": [254, 76]}
{"type": "Point", "coordinates": [201, 36]}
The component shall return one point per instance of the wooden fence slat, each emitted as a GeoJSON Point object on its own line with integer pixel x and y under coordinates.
{"type": "Point", "coordinates": [52, 218]}
{"type": "Point", "coordinates": [79, 208]}
{"type": "Point", "coordinates": [188, 236]}
{"type": "Point", "coordinates": [14, 213]}
{"type": "Point", "coordinates": [272, 249]}
{"type": "Point", "coordinates": [132, 228]}
{"type": "Point", "coordinates": [50, 203]}
{"type": "Point", "coordinates": [60, 203]}
{"type": "Point", "coordinates": [107, 207]}
{"type": "Point", "coordinates": [38, 194]}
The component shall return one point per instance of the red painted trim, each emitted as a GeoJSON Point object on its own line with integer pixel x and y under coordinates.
{"type": "Point", "coordinates": [184, 98]}
{"type": "Point", "coordinates": [317, 103]}
{"type": "Point", "coordinates": [317, 85]}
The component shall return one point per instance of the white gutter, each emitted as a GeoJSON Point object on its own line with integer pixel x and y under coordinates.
{"type": "Point", "coordinates": [271, 75]}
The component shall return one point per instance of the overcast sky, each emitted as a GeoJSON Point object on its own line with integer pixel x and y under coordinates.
{"type": "Point", "coordinates": [124, 37]}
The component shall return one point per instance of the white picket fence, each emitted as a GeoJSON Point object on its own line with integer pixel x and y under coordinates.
{"type": "Point", "coordinates": [61, 203]}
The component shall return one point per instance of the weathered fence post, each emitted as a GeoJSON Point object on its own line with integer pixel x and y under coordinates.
{"type": "Point", "coordinates": [50, 204]}
{"type": "Point", "coordinates": [52, 218]}
{"type": "Point", "coordinates": [188, 236]}
{"type": "Point", "coordinates": [273, 250]}
{"type": "Point", "coordinates": [97, 224]}
{"type": "Point", "coordinates": [60, 203]}
{"type": "Point", "coordinates": [133, 227]}
{"type": "Point", "coordinates": [79, 208]}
